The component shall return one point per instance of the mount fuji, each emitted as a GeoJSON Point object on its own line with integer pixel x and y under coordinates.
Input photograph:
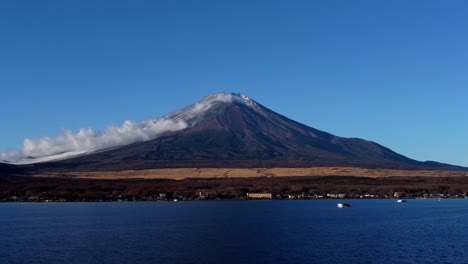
{"type": "Point", "coordinates": [227, 130]}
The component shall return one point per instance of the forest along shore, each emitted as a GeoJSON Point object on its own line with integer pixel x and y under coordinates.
{"type": "Point", "coordinates": [72, 188]}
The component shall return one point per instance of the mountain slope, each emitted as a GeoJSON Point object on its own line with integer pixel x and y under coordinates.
{"type": "Point", "coordinates": [9, 169]}
{"type": "Point", "coordinates": [232, 130]}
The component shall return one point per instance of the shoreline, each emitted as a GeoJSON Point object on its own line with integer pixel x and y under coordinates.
{"type": "Point", "coordinates": [246, 200]}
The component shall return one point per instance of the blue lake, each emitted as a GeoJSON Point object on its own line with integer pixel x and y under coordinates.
{"type": "Point", "coordinates": [309, 231]}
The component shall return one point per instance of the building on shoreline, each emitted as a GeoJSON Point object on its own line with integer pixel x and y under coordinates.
{"type": "Point", "coordinates": [259, 195]}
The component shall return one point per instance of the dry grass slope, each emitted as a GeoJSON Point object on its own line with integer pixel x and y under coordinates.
{"type": "Point", "coordinates": [183, 173]}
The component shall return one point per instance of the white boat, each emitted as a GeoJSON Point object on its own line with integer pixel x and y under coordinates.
{"type": "Point", "coordinates": [401, 201]}
{"type": "Point", "coordinates": [343, 205]}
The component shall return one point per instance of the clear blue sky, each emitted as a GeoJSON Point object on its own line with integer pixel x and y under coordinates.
{"type": "Point", "coordinates": [395, 72]}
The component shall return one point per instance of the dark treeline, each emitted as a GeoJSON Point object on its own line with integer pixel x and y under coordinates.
{"type": "Point", "coordinates": [20, 188]}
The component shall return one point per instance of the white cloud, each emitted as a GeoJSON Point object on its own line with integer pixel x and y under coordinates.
{"type": "Point", "coordinates": [86, 139]}
{"type": "Point", "coordinates": [10, 155]}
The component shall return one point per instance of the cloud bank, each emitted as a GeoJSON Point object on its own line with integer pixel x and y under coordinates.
{"type": "Point", "coordinates": [86, 139]}
{"type": "Point", "coordinates": [11, 155]}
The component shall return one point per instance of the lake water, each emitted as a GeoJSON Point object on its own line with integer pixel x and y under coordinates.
{"type": "Point", "coordinates": [310, 231]}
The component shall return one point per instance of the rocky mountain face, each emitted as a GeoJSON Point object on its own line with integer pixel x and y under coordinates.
{"type": "Point", "coordinates": [232, 130]}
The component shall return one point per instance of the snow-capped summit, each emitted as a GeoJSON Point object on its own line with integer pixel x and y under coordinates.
{"type": "Point", "coordinates": [228, 98]}
{"type": "Point", "coordinates": [192, 114]}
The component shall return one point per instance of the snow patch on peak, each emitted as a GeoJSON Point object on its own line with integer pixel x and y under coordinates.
{"type": "Point", "coordinates": [218, 97]}
{"type": "Point", "coordinates": [193, 113]}
{"type": "Point", "coordinates": [228, 98]}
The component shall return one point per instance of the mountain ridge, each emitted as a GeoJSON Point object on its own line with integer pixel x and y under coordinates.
{"type": "Point", "coordinates": [232, 130]}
